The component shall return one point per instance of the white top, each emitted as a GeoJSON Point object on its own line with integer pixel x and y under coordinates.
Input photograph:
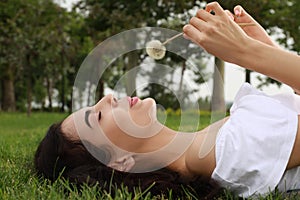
{"type": "Point", "coordinates": [254, 145]}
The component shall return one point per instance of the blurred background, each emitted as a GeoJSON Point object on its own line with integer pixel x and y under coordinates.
{"type": "Point", "coordinates": [44, 42]}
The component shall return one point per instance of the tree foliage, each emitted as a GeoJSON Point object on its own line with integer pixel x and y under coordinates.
{"type": "Point", "coordinates": [37, 48]}
{"type": "Point", "coordinates": [42, 44]}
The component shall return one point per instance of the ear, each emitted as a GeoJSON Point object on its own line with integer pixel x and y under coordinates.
{"type": "Point", "coordinates": [123, 164]}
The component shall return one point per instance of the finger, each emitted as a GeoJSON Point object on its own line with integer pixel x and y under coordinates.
{"type": "Point", "coordinates": [185, 36]}
{"type": "Point", "coordinates": [229, 14]}
{"type": "Point", "coordinates": [203, 14]}
{"type": "Point", "coordinates": [214, 6]}
{"type": "Point", "coordinates": [192, 33]}
{"type": "Point", "coordinates": [238, 10]}
{"type": "Point", "coordinates": [198, 23]}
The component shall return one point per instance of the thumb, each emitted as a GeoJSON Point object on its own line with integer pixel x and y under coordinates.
{"type": "Point", "coordinates": [242, 15]}
{"type": "Point", "coordinates": [238, 11]}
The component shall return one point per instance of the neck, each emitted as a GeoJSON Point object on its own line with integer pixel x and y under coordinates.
{"type": "Point", "coordinates": [198, 158]}
{"type": "Point", "coordinates": [175, 144]}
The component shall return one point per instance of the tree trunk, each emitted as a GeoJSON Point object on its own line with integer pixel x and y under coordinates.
{"type": "Point", "coordinates": [28, 75]}
{"type": "Point", "coordinates": [8, 91]}
{"type": "Point", "coordinates": [89, 95]}
{"type": "Point", "coordinates": [131, 76]}
{"type": "Point", "coordinates": [63, 81]}
{"type": "Point", "coordinates": [49, 92]}
{"type": "Point", "coordinates": [62, 93]}
{"type": "Point", "coordinates": [181, 81]}
{"type": "Point", "coordinates": [218, 101]}
{"type": "Point", "coordinates": [29, 96]}
{"type": "Point", "coordinates": [100, 89]}
{"type": "Point", "coordinates": [63, 71]}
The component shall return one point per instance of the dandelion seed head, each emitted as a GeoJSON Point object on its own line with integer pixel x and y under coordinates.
{"type": "Point", "coordinates": [155, 49]}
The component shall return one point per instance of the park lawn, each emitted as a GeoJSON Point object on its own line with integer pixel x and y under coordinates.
{"type": "Point", "coordinates": [19, 137]}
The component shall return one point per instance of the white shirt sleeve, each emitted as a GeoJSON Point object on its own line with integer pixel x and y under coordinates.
{"type": "Point", "coordinates": [254, 145]}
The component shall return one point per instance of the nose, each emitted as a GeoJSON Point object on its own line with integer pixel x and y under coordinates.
{"type": "Point", "coordinates": [107, 99]}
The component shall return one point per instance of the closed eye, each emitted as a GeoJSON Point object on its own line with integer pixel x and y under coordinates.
{"type": "Point", "coordinates": [99, 115]}
{"type": "Point", "coordinates": [86, 118]}
{"type": "Point", "coordinates": [115, 100]}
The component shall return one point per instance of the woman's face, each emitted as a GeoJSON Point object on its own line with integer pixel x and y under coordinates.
{"type": "Point", "coordinates": [128, 131]}
{"type": "Point", "coordinates": [126, 123]}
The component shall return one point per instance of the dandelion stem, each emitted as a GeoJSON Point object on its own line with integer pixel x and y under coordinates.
{"type": "Point", "coordinates": [246, 24]}
{"type": "Point", "coordinates": [172, 38]}
{"type": "Point", "coordinates": [180, 34]}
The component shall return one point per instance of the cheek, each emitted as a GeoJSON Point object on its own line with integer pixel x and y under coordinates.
{"type": "Point", "coordinates": [117, 124]}
{"type": "Point", "coordinates": [120, 124]}
{"type": "Point", "coordinates": [111, 130]}
{"type": "Point", "coordinates": [108, 124]}
{"type": "Point", "coordinates": [133, 118]}
{"type": "Point", "coordinates": [142, 117]}
{"type": "Point", "coordinates": [119, 132]}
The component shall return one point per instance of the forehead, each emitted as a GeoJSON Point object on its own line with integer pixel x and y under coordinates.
{"type": "Point", "coordinates": [75, 125]}
{"type": "Point", "coordinates": [68, 127]}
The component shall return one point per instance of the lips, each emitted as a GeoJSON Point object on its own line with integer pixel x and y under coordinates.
{"type": "Point", "coordinates": [132, 101]}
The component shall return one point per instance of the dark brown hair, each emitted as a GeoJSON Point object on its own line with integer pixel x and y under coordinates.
{"type": "Point", "coordinates": [58, 156]}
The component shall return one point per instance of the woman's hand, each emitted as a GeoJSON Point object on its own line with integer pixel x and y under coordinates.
{"type": "Point", "coordinates": [256, 32]}
{"type": "Point", "coordinates": [218, 34]}
{"type": "Point", "coordinates": [249, 47]}
{"type": "Point", "coordinates": [221, 35]}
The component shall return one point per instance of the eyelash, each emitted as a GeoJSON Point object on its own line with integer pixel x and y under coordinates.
{"type": "Point", "coordinates": [99, 116]}
{"type": "Point", "coordinates": [115, 100]}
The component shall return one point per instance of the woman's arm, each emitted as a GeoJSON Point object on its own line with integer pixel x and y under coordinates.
{"type": "Point", "coordinates": [273, 62]}
{"type": "Point", "coordinates": [294, 160]}
{"type": "Point", "coordinates": [249, 47]}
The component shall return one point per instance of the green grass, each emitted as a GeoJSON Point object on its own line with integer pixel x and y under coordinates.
{"type": "Point", "coordinates": [19, 137]}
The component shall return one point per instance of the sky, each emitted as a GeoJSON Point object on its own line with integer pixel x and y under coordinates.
{"type": "Point", "coordinates": [66, 3]}
{"type": "Point", "coordinates": [234, 75]}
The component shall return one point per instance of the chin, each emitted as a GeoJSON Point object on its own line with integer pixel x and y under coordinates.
{"type": "Point", "coordinates": [153, 110]}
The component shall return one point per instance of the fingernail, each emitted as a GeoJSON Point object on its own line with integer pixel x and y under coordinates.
{"type": "Point", "coordinates": [185, 27]}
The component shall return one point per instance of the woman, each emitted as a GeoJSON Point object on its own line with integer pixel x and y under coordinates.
{"type": "Point", "coordinates": [68, 151]}
{"type": "Point", "coordinates": [257, 147]}
{"type": "Point", "coordinates": [251, 152]}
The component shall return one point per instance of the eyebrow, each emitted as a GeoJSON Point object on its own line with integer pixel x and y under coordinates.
{"type": "Point", "coordinates": [86, 118]}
